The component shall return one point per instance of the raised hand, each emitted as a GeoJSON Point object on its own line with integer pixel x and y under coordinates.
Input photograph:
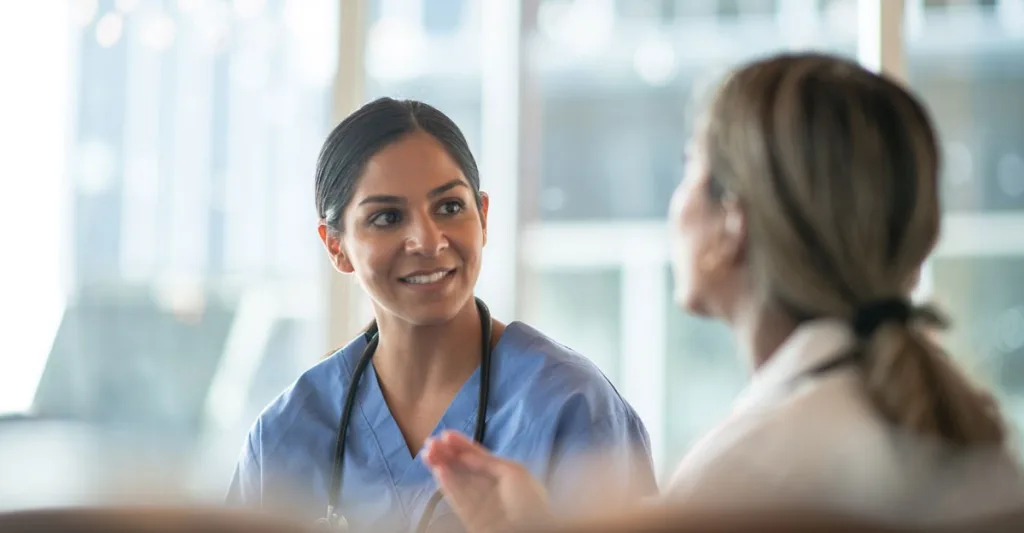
{"type": "Point", "coordinates": [488, 493]}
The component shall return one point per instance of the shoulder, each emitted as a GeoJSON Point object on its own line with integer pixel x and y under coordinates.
{"type": "Point", "coordinates": [805, 447]}
{"type": "Point", "coordinates": [313, 395]}
{"type": "Point", "coordinates": [533, 365]}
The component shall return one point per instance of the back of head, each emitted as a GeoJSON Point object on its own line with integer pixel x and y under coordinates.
{"type": "Point", "coordinates": [836, 169]}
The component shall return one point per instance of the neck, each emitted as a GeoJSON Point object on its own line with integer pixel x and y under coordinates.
{"type": "Point", "coordinates": [760, 329]}
{"type": "Point", "coordinates": [412, 360]}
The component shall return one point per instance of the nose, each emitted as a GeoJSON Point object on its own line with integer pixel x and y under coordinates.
{"type": "Point", "coordinates": [425, 238]}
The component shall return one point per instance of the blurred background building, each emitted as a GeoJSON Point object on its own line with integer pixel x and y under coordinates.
{"type": "Point", "coordinates": [163, 281]}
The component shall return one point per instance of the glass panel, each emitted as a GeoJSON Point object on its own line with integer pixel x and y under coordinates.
{"type": "Point", "coordinates": [966, 59]}
{"type": "Point", "coordinates": [968, 64]}
{"type": "Point", "coordinates": [616, 83]}
{"type": "Point", "coordinates": [704, 375]}
{"type": "Point", "coordinates": [984, 298]}
{"type": "Point", "coordinates": [428, 50]}
{"type": "Point", "coordinates": [191, 272]}
{"type": "Point", "coordinates": [580, 309]}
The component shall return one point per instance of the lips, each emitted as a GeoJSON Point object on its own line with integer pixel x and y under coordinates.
{"type": "Point", "coordinates": [427, 277]}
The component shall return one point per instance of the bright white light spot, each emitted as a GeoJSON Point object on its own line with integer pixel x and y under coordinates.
{"type": "Point", "coordinates": [396, 50]}
{"type": "Point", "coordinates": [550, 16]}
{"type": "Point", "coordinates": [249, 8]}
{"type": "Point", "coordinates": [583, 26]}
{"type": "Point", "coordinates": [1010, 14]}
{"type": "Point", "coordinates": [251, 73]}
{"type": "Point", "coordinates": [914, 21]}
{"type": "Point", "coordinates": [188, 6]}
{"type": "Point", "coordinates": [157, 32]}
{"type": "Point", "coordinates": [109, 29]}
{"type": "Point", "coordinates": [655, 61]}
{"type": "Point", "coordinates": [37, 55]}
{"type": "Point", "coordinates": [213, 24]}
{"type": "Point", "coordinates": [314, 52]}
{"type": "Point", "coordinates": [126, 6]}
{"type": "Point", "coordinates": [1010, 174]}
{"type": "Point", "coordinates": [841, 18]}
{"type": "Point", "coordinates": [184, 298]}
{"type": "Point", "coordinates": [83, 11]}
{"type": "Point", "coordinates": [96, 167]}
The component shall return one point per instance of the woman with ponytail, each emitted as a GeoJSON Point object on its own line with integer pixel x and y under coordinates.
{"type": "Point", "coordinates": [809, 205]}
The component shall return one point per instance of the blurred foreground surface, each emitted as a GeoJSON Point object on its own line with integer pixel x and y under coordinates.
{"type": "Point", "coordinates": [52, 463]}
{"type": "Point", "coordinates": [655, 520]}
{"type": "Point", "coordinates": [61, 475]}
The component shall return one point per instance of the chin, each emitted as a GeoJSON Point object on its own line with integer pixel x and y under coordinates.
{"type": "Point", "coordinates": [691, 303]}
{"type": "Point", "coordinates": [434, 312]}
{"type": "Point", "coordinates": [428, 315]}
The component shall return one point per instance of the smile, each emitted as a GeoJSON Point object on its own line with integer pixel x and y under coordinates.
{"type": "Point", "coordinates": [428, 277]}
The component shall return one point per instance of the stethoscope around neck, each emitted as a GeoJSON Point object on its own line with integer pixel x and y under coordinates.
{"type": "Point", "coordinates": [334, 519]}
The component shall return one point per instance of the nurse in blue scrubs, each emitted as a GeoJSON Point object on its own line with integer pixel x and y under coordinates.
{"type": "Point", "coordinates": [400, 207]}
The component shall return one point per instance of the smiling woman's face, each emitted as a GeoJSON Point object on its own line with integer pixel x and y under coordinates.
{"type": "Point", "coordinates": [413, 232]}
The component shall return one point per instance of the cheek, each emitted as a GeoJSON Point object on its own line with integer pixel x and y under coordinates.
{"type": "Point", "coordinates": [373, 257]}
{"type": "Point", "coordinates": [468, 241]}
{"type": "Point", "coordinates": [681, 230]}
{"type": "Point", "coordinates": [687, 240]}
{"type": "Point", "coordinates": [684, 264]}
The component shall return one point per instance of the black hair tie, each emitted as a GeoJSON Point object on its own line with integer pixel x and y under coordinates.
{"type": "Point", "coordinates": [868, 317]}
{"type": "Point", "coordinates": [872, 315]}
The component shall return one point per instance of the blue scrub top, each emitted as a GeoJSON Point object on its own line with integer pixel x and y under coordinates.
{"type": "Point", "coordinates": [547, 406]}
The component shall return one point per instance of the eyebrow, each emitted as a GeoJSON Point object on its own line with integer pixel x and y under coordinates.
{"type": "Point", "coordinates": [393, 200]}
{"type": "Point", "coordinates": [381, 199]}
{"type": "Point", "coordinates": [438, 191]}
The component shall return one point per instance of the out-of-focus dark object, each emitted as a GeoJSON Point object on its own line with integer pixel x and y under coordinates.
{"type": "Point", "coordinates": [653, 520]}
{"type": "Point", "coordinates": [666, 519]}
{"type": "Point", "coordinates": [144, 520]}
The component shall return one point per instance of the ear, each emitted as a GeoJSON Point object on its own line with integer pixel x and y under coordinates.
{"type": "Point", "coordinates": [332, 242]}
{"type": "Point", "coordinates": [734, 232]}
{"type": "Point", "coordinates": [485, 203]}
{"type": "Point", "coordinates": [729, 248]}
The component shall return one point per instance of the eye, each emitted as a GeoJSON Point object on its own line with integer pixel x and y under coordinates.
{"type": "Point", "coordinates": [384, 219]}
{"type": "Point", "coordinates": [451, 207]}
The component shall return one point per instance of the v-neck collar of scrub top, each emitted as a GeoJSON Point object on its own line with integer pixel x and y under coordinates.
{"type": "Point", "coordinates": [405, 470]}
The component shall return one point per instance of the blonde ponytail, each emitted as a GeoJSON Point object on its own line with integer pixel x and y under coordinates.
{"type": "Point", "coordinates": [914, 385]}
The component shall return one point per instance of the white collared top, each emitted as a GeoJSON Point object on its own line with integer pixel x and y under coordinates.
{"type": "Point", "coordinates": [794, 440]}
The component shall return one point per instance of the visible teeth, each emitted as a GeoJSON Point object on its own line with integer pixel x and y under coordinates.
{"type": "Point", "coordinates": [426, 278]}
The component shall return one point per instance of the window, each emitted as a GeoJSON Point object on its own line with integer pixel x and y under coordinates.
{"type": "Point", "coordinates": [420, 50]}
{"type": "Point", "coordinates": [172, 283]}
{"type": "Point", "coordinates": [186, 293]}
{"type": "Point", "coordinates": [967, 65]}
